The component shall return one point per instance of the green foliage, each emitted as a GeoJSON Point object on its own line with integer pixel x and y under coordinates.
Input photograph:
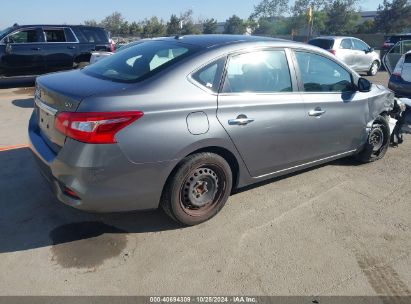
{"type": "Point", "coordinates": [153, 28]}
{"type": "Point", "coordinates": [235, 25]}
{"type": "Point", "coordinates": [273, 26]}
{"type": "Point", "coordinates": [368, 27]}
{"type": "Point", "coordinates": [269, 9]}
{"type": "Point", "coordinates": [393, 16]}
{"type": "Point", "coordinates": [210, 26]}
{"type": "Point", "coordinates": [134, 29]}
{"type": "Point", "coordinates": [341, 17]}
{"type": "Point", "coordinates": [173, 26]}
{"type": "Point", "coordinates": [91, 22]}
{"type": "Point", "coordinates": [113, 23]}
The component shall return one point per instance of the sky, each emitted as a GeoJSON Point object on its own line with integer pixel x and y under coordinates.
{"type": "Point", "coordinates": [77, 11]}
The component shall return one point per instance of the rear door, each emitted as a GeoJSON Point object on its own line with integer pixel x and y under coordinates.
{"type": "Point", "coordinates": [345, 52]}
{"type": "Point", "coordinates": [262, 111]}
{"type": "Point", "coordinates": [24, 53]}
{"type": "Point", "coordinates": [59, 49]}
{"type": "Point", "coordinates": [363, 57]}
{"type": "Point", "coordinates": [334, 110]}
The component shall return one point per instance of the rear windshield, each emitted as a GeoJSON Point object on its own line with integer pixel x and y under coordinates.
{"type": "Point", "coordinates": [325, 44]}
{"type": "Point", "coordinates": [395, 39]}
{"type": "Point", "coordinates": [407, 58]}
{"type": "Point", "coordinates": [94, 35]}
{"type": "Point", "coordinates": [141, 61]}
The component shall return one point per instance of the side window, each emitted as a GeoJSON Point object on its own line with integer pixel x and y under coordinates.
{"type": "Point", "coordinates": [210, 75]}
{"type": "Point", "coordinates": [55, 35]}
{"type": "Point", "coordinates": [346, 44]}
{"type": "Point", "coordinates": [320, 74]}
{"type": "Point", "coordinates": [24, 36]}
{"type": "Point", "coordinates": [69, 35]}
{"type": "Point", "coordinates": [95, 35]}
{"type": "Point", "coordinates": [259, 72]}
{"type": "Point", "coordinates": [360, 46]}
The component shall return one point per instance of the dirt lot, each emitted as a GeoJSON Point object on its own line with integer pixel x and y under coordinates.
{"type": "Point", "coordinates": [338, 229]}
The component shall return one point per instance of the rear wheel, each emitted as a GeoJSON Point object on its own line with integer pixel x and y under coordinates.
{"type": "Point", "coordinates": [198, 189]}
{"type": "Point", "coordinates": [374, 68]}
{"type": "Point", "coordinates": [377, 143]}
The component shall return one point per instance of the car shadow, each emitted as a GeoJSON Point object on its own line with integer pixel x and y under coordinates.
{"type": "Point", "coordinates": [31, 217]}
{"type": "Point", "coordinates": [347, 161]}
{"type": "Point", "coordinates": [24, 103]}
{"type": "Point", "coordinates": [10, 83]}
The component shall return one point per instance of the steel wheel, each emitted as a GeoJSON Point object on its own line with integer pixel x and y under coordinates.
{"type": "Point", "coordinates": [202, 190]}
{"type": "Point", "coordinates": [198, 189]}
{"type": "Point", "coordinates": [376, 139]}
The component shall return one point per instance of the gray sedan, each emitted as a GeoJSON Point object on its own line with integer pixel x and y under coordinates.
{"type": "Point", "coordinates": [181, 122]}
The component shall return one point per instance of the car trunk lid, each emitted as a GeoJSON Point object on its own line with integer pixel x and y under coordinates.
{"type": "Point", "coordinates": [63, 92]}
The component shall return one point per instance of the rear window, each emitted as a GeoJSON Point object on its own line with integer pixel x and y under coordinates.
{"type": "Point", "coordinates": [55, 35]}
{"type": "Point", "coordinates": [94, 35]}
{"type": "Point", "coordinates": [407, 58]}
{"type": "Point", "coordinates": [325, 44]}
{"type": "Point", "coordinates": [141, 61]}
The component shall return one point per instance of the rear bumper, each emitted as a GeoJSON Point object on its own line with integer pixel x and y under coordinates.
{"type": "Point", "coordinates": [101, 175]}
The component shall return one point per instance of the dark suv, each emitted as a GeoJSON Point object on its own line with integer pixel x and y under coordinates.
{"type": "Point", "coordinates": [38, 49]}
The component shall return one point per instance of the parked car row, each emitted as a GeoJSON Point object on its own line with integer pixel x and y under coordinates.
{"type": "Point", "coordinates": [180, 122]}
{"type": "Point", "coordinates": [38, 49]}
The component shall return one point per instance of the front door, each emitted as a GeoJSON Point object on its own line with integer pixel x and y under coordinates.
{"type": "Point", "coordinates": [24, 53]}
{"type": "Point", "coordinates": [334, 109]}
{"type": "Point", "coordinates": [262, 111]}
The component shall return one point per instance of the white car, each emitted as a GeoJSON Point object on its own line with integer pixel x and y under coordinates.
{"type": "Point", "coordinates": [97, 56]}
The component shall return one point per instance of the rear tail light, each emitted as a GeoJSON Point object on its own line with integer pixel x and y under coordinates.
{"type": "Point", "coordinates": [334, 52]}
{"type": "Point", "coordinates": [399, 66]}
{"type": "Point", "coordinates": [71, 193]}
{"type": "Point", "coordinates": [94, 127]}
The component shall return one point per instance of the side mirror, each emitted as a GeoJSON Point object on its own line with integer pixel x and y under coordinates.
{"type": "Point", "coordinates": [364, 85]}
{"type": "Point", "coordinates": [370, 50]}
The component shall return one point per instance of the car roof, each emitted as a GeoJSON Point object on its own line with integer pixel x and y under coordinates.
{"type": "Point", "coordinates": [52, 25]}
{"type": "Point", "coordinates": [208, 41]}
{"type": "Point", "coordinates": [335, 37]}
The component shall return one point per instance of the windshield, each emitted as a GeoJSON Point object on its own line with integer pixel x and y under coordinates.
{"type": "Point", "coordinates": [141, 61]}
{"type": "Point", "coordinates": [325, 44]}
{"type": "Point", "coordinates": [4, 32]}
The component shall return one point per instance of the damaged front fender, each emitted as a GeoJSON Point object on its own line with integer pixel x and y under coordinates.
{"type": "Point", "coordinates": [380, 102]}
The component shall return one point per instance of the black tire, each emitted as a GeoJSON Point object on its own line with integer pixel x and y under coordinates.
{"type": "Point", "coordinates": [198, 189]}
{"type": "Point", "coordinates": [377, 142]}
{"type": "Point", "coordinates": [375, 66]}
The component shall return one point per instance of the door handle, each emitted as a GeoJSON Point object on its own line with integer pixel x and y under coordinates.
{"type": "Point", "coordinates": [72, 47]}
{"type": "Point", "coordinates": [241, 120]}
{"type": "Point", "coordinates": [35, 49]}
{"type": "Point", "coordinates": [317, 112]}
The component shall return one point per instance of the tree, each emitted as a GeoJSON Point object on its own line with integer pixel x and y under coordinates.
{"type": "Point", "coordinates": [124, 29]}
{"type": "Point", "coordinates": [234, 25]}
{"type": "Point", "coordinates": [173, 26]}
{"type": "Point", "coordinates": [269, 9]}
{"type": "Point", "coordinates": [188, 26]}
{"type": "Point", "coordinates": [91, 22]}
{"type": "Point", "coordinates": [134, 29]}
{"type": "Point", "coordinates": [153, 27]}
{"type": "Point", "coordinates": [368, 27]}
{"type": "Point", "coordinates": [273, 26]}
{"type": "Point", "coordinates": [393, 16]}
{"type": "Point", "coordinates": [341, 17]}
{"type": "Point", "coordinates": [113, 22]}
{"type": "Point", "coordinates": [210, 26]}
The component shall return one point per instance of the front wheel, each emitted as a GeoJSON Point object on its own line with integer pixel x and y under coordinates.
{"type": "Point", "coordinates": [198, 189]}
{"type": "Point", "coordinates": [374, 68]}
{"type": "Point", "coordinates": [377, 142]}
